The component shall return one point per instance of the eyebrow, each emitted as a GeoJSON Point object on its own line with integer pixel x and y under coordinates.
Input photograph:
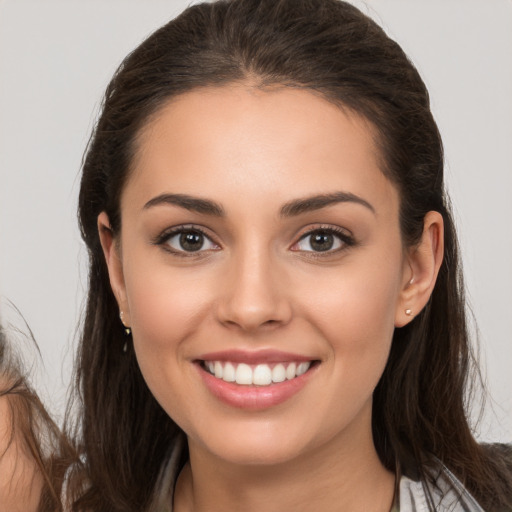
{"type": "Point", "coordinates": [290, 209]}
{"type": "Point", "coordinates": [193, 204]}
{"type": "Point", "coordinates": [309, 204]}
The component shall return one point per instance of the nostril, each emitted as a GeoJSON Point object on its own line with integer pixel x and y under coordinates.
{"type": "Point", "coordinates": [249, 326]}
{"type": "Point", "coordinates": [251, 309]}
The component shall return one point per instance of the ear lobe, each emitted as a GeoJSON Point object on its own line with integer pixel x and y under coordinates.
{"type": "Point", "coordinates": [424, 261]}
{"type": "Point", "coordinates": [114, 264]}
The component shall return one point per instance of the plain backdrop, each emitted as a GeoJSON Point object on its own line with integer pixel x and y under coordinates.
{"type": "Point", "coordinates": [56, 58]}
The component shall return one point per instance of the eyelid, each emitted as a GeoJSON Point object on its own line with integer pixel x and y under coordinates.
{"type": "Point", "coordinates": [345, 236]}
{"type": "Point", "coordinates": [163, 237]}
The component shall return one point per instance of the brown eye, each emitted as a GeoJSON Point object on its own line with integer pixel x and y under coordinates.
{"type": "Point", "coordinates": [323, 240]}
{"type": "Point", "coordinates": [189, 240]}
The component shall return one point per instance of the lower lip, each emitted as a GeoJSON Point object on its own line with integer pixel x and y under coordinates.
{"type": "Point", "coordinates": [254, 397]}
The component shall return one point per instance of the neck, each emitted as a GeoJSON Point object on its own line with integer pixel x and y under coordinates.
{"type": "Point", "coordinates": [343, 474]}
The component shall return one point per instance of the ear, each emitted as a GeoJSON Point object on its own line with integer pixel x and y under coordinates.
{"type": "Point", "coordinates": [111, 251]}
{"type": "Point", "coordinates": [423, 262]}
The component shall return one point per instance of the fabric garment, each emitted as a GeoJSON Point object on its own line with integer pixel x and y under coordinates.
{"type": "Point", "coordinates": [446, 495]}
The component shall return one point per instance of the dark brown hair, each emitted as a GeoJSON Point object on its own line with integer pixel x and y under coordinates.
{"type": "Point", "coordinates": [330, 47]}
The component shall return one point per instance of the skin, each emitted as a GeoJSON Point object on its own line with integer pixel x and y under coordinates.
{"type": "Point", "coordinates": [21, 481]}
{"type": "Point", "coordinates": [259, 285]}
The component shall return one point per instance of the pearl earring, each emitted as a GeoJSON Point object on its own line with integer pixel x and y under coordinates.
{"type": "Point", "coordinates": [127, 330]}
{"type": "Point", "coordinates": [408, 312]}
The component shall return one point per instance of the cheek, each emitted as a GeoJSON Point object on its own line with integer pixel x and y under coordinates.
{"type": "Point", "coordinates": [354, 312]}
{"type": "Point", "coordinates": [164, 302]}
{"type": "Point", "coordinates": [167, 310]}
{"type": "Point", "coordinates": [167, 307]}
{"type": "Point", "coordinates": [354, 309]}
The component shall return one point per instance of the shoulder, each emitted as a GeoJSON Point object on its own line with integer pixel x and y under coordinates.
{"type": "Point", "coordinates": [445, 494]}
{"type": "Point", "coordinates": [20, 479]}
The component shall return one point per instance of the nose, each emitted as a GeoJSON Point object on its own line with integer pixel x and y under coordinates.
{"type": "Point", "coordinates": [254, 294]}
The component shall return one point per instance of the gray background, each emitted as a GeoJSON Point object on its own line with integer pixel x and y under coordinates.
{"type": "Point", "coordinates": [55, 60]}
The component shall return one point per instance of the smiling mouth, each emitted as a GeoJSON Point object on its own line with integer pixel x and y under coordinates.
{"type": "Point", "coordinates": [258, 374]}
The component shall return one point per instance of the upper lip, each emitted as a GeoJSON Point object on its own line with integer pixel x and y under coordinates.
{"type": "Point", "coordinates": [254, 357]}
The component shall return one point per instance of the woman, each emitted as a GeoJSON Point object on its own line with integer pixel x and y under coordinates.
{"type": "Point", "coordinates": [34, 454]}
{"type": "Point", "coordinates": [263, 204]}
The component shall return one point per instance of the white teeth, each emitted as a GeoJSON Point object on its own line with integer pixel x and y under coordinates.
{"type": "Point", "coordinates": [302, 368]}
{"type": "Point", "coordinates": [260, 375]}
{"type": "Point", "coordinates": [229, 373]}
{"type": "Point", "coordinates": [278, 373]}
{"type": "Point", "coordinates": [243, 374]}
{"type": "Point", "coordinates": [290, 371]}
{"type": "Point", "coordinates": [218, 369]}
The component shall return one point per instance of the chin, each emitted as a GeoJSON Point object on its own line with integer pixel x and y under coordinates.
{"type": "Point", "coordinates": [263, 443]}
{"type": "Point", "coordinates": [257, 454]}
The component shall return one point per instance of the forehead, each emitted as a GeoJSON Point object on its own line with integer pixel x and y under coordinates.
{"type": "Point", "coordinates": [272, 143]}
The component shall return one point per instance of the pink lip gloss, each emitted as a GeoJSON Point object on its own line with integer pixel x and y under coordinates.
{"type": "Point", "coordinates": [252, 396]}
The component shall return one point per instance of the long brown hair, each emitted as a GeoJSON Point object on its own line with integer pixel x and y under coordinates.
{"type": "Point", "coordinates": [330, 47]}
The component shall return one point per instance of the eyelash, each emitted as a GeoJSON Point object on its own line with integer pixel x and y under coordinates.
{"type": "Point", "coordinates": [163, 240]}
{"type": "Point", "coordinates": [345, 239]}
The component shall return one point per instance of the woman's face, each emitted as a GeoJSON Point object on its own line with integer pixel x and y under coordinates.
{"type": "Point", "coordinates": [260, 244]}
